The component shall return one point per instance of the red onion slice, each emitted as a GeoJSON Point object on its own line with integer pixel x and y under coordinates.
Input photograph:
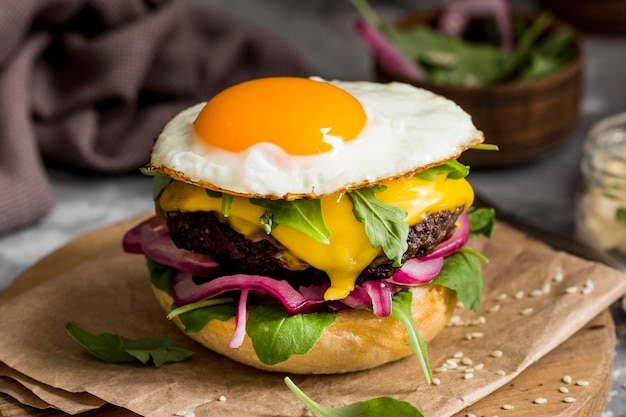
{"type": "Point", "coordinates": [388, 54]}
{"type": "Point", "coordinates": [457, 15]}
{"type": "Point", "coordinates": [381, 294]}
{"type": "Point", "coordinates": [131, 243]}
{"type": "Point", "coordinates": [456, 241]}
{"type": "Point", "coordinates": [185, 290]}
{"type": "Point", "coordinates": [152, 238]}
{"type": "Point", "coordinates": [417, 272]}
{"type": "Point", "coordinates": [240, 321]}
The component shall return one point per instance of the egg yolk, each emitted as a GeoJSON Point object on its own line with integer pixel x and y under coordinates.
{"type": "Point", "coordinates": [300, 115]}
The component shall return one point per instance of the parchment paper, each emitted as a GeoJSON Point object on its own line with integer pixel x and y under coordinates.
{"type": "Point", "coordinates": [535, 298]}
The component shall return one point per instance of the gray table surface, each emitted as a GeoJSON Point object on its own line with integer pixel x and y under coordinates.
{"type": "Point", "coordinates": [541, 192]}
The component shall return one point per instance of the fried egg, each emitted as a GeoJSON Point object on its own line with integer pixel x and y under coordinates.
{"type": "Point", "coordinates": [288, 137]}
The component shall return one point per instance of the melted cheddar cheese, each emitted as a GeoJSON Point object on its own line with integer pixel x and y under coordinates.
{"type": "Point", "coordinates": [349, 250]}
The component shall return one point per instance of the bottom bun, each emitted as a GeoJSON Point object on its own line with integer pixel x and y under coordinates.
{"type": "Point", "coordinates": [357, 340]}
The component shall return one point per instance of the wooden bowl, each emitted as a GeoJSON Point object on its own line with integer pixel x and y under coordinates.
{"type": "Point", "coordinates": [605, 17]}
{"type": "Point", "coordinates": [526, 119]}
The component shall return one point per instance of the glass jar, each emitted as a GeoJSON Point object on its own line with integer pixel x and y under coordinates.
{"type": "Point", "coordinates": [601, 202]}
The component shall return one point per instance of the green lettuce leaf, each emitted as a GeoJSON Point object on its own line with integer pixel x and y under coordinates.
{"type": "Point", "coordinates": [227, 201]}
{"type": "Point", "coordinates": [376, 407]}
{"type": "Point", "coordinates": [160, 275]}
{"type": "Point", "coordinates": [159, 181]}
{"type": "Point", "coordinates": [401, 310]}
{"type": "Point", "coordinates": [453, 169]}
{"type": "Point", "coordinates": [462, 272]}
{"type": "Point", "coordinates": [482, 221]}
{"type": "Point", "coordinates": [304, 215]}
{"type": "Point", "coordinates": [197, 315]}
{"type": "Point", "coordinates": [384, 223]}
{"type": "Point", "coordinates": [114, 348]}
{"type": "Point", "coordinates": [277, 336]}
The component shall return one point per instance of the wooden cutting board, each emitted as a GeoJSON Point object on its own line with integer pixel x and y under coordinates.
{"type": "Point", "coordinates": [589, 352]}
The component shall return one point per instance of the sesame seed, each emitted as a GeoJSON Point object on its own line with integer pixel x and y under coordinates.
{"type": "Point", "coordinates": [519, 294]}
{"type": "Point", "coordinates": [587, 290]}
{"type": "Point", "coordinates": [441, 369]}
{"type": "Point", "coordinates": [495, 308]}
{"type": "Point", "coordinates": [540, 400]}
{"type": "Point", "coordinates": [582, 383]}
{"type": "Point", "coordinates": [546, 288]}
{"type": "Point", "coordinates": [467, 361]}
{"type": "Point", "coordinates": [471, 415]}
{"type": "Point", "coordinates": [481, 366]}
{"type": "Point", "coordinates": [458, 355]}
{"type": "Point", "coordinates": [436, 381]}
{"type": "Point", "coordinates": [558, 277]}
{"type": "Point", "coordinates": [536, 293]}
{"type": "Point", "coordinates": [184, 413]}
{"type": "Point", "coordinates": [500, 372]}
{"type": "Point", "coordinates": [567, 379]}
{"type": "Point", "coordinates": [571, 290]}
{"type": "Point", "coordinates": [527, 311]}
{"type": "Point", "coordinates": [569, 399]}
{"type": "Point", "coordinates": [222, 398]}
{"type": "Point", "coordinates": [496, 354]}
{"type": "Point", "coordinates": [468, 375]}
{"type": "Point", "coordinates": [507, 407]}
{"type": "Point", "coordinates": [452, 363]}
{"type": "Point", "coordinates": [563, 390]}
{"type": "Point", "coordinates": [477, 335]}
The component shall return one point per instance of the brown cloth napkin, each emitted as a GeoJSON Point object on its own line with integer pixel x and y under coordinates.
{"type": "Point", "coordinates": [88, 84]}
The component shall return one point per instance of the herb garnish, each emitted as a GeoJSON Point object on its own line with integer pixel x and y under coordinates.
{"type": "Point", "coordinates": [541, 49]}
{"type": "Point", "coordinates": [453, 169]}
{"type": "Point", "coordinates": [159, 181]}
{"type": "Point", "coordinates": [382, 406]}
{"type": "Point", "coordinates": [384, 223]}
{"type": "Point", "coordinates": [304, 215]}
{"type": "Point", "coordinates": [401, 310]}
{"type": "Point", "coordinates": [277, 336]}
{"type": "Point", "coordinates": [114, 348]}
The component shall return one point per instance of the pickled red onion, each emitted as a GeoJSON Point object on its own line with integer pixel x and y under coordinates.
{"type": "Point", "coordinates": [152, 238]}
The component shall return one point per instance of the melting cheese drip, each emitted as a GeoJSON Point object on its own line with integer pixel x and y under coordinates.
{"type": "Point", "coordinates": [349, 250]}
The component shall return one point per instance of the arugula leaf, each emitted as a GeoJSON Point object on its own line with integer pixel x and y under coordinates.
{"type": "Point", "coordinates": [482, 221]}
{"type": "Point", "coordinates": [485, 147]}
{"type": "Point", "coordinates": [197, 315]}
{"type": "Point", "coordinates": [455, 61]}
{"type": "Point", "coordinates": [277, 336]}
{"type": "Point", "coordinates": [376, 407]}
{"type": "Point", "coordinates": [401, 310]}
{"type": "Point", "coordinates": [304, 215]}
{"type": "Point", "coordinates": [114, 348]}
{"type": "Point", "coordinates": [454, 169]}
{"type": "Point", "coordinates": [227, 201]}
{"type": "Point", "coordinates": [384, 223]}
{"type": "Point", "coordinates": [462, 272]}
{"type": "Point", "coordinates": [620, 215]}
{"type": "Point", "coordinates": [160, 275]}
{"type": "Point", "coordinates": [159, 181]}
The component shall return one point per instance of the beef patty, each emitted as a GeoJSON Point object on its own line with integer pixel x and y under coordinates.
{"type": "Point", "coordinates": [209, 233]}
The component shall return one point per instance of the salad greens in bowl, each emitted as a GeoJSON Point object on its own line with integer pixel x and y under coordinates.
{"type": "Point", "coordinates": [517, 73]}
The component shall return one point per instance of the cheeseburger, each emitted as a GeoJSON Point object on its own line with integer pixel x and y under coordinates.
{"type": "Point", "coordinates": [311, 226]}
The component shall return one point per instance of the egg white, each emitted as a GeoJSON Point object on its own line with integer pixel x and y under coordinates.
{"type": "Point", "coordinates": [407, 129]}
